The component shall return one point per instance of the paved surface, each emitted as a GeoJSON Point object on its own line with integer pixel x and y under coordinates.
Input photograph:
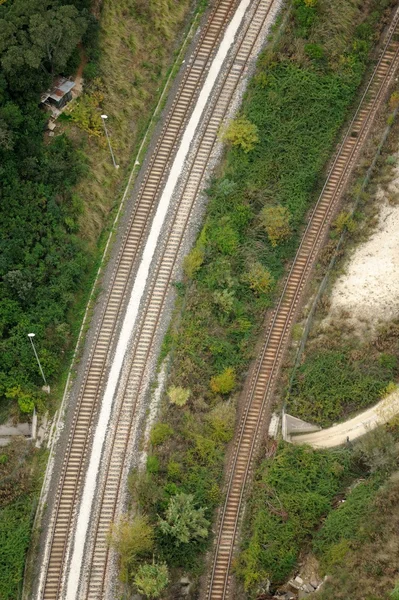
{"type": "Point", "coordinates": [337, 435]}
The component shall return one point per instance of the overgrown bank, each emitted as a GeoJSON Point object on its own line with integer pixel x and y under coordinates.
{"type": "Point", "coordinates": [328, 505]}
{"type": "Point", "coordinates": [291, 115]}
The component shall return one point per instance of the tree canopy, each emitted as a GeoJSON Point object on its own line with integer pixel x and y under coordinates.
{"type": "Point", "coordinates": [41, 257]}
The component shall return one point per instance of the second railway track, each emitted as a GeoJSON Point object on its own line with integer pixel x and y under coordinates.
{"type": "Point", "coordinates": [266, 369]}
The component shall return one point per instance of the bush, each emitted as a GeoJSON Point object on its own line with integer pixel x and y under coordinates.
{"type": "Point", "coordinates": [151, 579]}
{"type": "Point", "coordinates": [152, 464]}
{"type": "Point", "coordinates": [174, 470]}
{"type": "Point", "coordinates": [378, 451]}
{"type": "Point", "coordinates": [221, 420]}
{"type": "Point", "coordinates": [291, 493]}
{"type": "Point", "coordinates": [183, 521]}
{"type": "Point", "coordinates": [331, 382]}
{"type": "Point", "coordinates": [225, 382]}
{"type": "Point", "coordinates": [160, 433]}
{"type": "Point", "coordinates": [178, 395]}
{"type": "Point", "coordinates": [193, 261]}
{"type": "Point", "coordinates": [276, 221]}
{"type": "Point", "coordinates": [90, 71]}
{"type": "Point", "coordinates": [132, 539]}
{"type": "Point", "coordinates": [260, 279]}
{"type": "Point", "coordinates": [242, 133]}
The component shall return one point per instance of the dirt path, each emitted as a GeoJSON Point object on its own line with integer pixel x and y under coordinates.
{"type": "Point", "coordinates": [337, 435]}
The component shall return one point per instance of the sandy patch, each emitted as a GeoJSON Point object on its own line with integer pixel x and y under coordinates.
{"type": "Point", "coordinates": [369, 289]}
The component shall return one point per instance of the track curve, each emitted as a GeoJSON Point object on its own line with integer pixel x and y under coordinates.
{"type": "Point", "coordinates": [266, 369]}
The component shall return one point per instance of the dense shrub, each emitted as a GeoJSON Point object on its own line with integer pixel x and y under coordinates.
{"type": "Point", "coordinates": [330, 383]}
{"type": "Point", "coordinates": [178, 395]}
{"type": "Point", "coordinates": [160, 433]}
{"type": "Point", "coordinates": [242, 133]}
{"type": "Point", "coordinates": [133, 538]}
{"type": "Point", "coordinates": [223, 383]}
{"type": "Point", "coordinates": [292, 492]}
{"type": "Point", "coordinates": [183, 521]}
{"type": "Point", "coordinates": [151, 579]}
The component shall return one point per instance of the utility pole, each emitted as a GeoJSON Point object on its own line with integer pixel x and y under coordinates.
{"type": "Point", "coordinates": [46, 385]}
{"type": "Point", "coordinates": [104, 118]}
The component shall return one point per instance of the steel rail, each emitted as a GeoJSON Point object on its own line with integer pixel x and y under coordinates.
{"type": "Point", "coordinates": [157, 294]}
{"type": "Point", "coordinates": [74, 462]}
{"type": "Point", "coordinates": [264, 374]}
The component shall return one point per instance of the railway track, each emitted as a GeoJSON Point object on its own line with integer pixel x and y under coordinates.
{"type": "Point", "coordinates": [69, 489]}
{"type": "Point", "coordinates": [266, 369]}
{"type": "Point", "coordinates": [70, 483]}
{"type": "Point", "coordinates": [117, 464]}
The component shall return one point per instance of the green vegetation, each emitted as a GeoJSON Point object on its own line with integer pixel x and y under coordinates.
{"type": "Point", "coordinates": [292, 492]}
{"type": "Point", "coordinates": [297, 506]}
{"type": "Point", "coordinates": [18, 495]}
{"type": "Point", "coordinates": [151, 579]}
{"type": "Point", "coordinates": [297, 101]}
{"type": "Point", "coordinates": [332, 383]}
{"type": "Point", "coordinates": [357, 544]}
{"type": "Point", "coordinates": [183, 521]}
{"type": "Point", "coordinates": [56, 195]}
{"type": "Point", "coordinates": [43, 261]}
{"type": "Point", "coordinates": [15, 528]}
{"type": "Point", "coordinates": [178, 395]}
{"type": "Point", "coordinates": [133, 539]}
{"type": "Point", "coordinates": [242, 133]}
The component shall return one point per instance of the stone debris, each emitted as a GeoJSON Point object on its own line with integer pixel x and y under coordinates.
{"type": "Point", "coordinates": [299, 588]}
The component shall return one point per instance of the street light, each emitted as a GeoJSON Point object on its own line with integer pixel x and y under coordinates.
{"type": "Point", "coordinates": [104, 118]}
{"type": "Point", "coordinates": [31, 336]}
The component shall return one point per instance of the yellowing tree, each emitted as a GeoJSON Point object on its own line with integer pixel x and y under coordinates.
{"type": "Point", "coordinates": [241, 132]}
{"type": "Point", "coordinates": [276, 221]}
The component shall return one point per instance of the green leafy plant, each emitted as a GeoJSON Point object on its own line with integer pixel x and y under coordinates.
{"type": "Point", "coordinates": [242, 133]}
{"type": "Point", "coordinates": [151, 579]}
{"type": "Point", "coordinates": [183, 521]}
{"type": "Point", "coordinates": [160, 433]}
{"type": "Point", "coordinates": [276, 221]}
{"type": "Point", "coordinates": [178, 395]}
{"type": "Point", "coordinates": [132, 538]}
{"type": "Point", "coordinates": [223, 383]}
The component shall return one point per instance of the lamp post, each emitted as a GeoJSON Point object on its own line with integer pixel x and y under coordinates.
{"type": "Point", "coordinates": [104, 118]}
{"type": "Point", "coordinates": [31, 336]}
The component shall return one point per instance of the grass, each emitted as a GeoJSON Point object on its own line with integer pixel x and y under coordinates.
{"type": "Point", "coordinates": [136, 42]}
{"type": "Point", "coordinates": [298, 105]}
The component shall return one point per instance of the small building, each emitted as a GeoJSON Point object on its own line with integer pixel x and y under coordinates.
{"type": "Point", "coordinates": [58, 96]}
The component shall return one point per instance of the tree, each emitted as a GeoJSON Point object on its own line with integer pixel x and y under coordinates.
{"type": "Point", "coordinates": [183, 521]}
{"type": "Point", "coordinates": [178, 395]}
{"type": "Point", "coordinates": [225, 382]}
{"type": "Point", "coordinates": [242, 133]}
{"type": "Point", "coordinates": [132, 539]}
{"type": "Point", "coordinates": [276, 221]}
{"type": "Point", "coordinates": [39, 34]}
{"type": "Point", "coordinates": [152, 579]}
